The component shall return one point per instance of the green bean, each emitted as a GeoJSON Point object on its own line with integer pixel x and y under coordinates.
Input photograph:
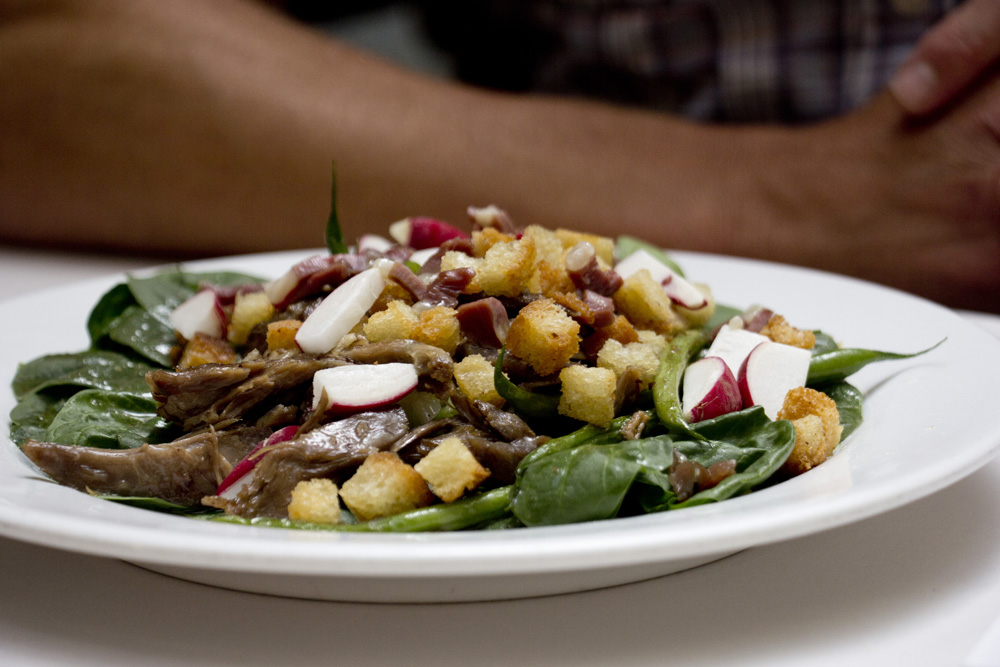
{"type": "Point", "coordinates": [667, 386]}
{"type": "Point", "coordinates": [838, 364]}
{"type": "Point", "coordinates": [458, 515]}
{"type": "Point", "coordinates": [525, 403]}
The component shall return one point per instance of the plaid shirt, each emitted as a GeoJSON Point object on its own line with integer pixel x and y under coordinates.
{"type": "Point", "coordinates": [721, 60]}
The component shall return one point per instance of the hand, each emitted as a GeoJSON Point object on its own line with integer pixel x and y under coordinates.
{"type": "Point", "coordinates": [915, 206]}
{"type": "Point", "coordinates": [949, 57]}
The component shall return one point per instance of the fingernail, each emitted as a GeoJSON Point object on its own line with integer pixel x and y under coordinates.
{"type": "Point", "coordinates": [914, 85]}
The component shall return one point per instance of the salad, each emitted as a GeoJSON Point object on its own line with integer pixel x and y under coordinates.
{"type": "Point", "coordinates": [442, 379]}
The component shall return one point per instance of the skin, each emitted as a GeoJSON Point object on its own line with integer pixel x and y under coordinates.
{"type": "Point", "coordinates": [950, 58]}
{"type": "Point", "coordinates": [193, 128]}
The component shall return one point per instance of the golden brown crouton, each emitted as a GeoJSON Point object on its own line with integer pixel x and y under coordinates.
{"type": "Point", "coordinates": [817, 428]}
{"type": "Point", "coordinates": [281, 335]}
{"type": "Point", "coordinates": [382, 486]}
{"type": "Point", "coordinates": [780, 331]}
{"type": "Point", "coordinates": [450, 470]}
{"type": "Point", "coordinates": [588, 394]}
{"type": "Point", "coordinates": [396, 322]}
{"type": "Point", "coordinates": [604, 246]}
{"type": "Point", "coordinates": [643, 358]}
{"type": "Point", "coordinates": [439, 327]}
{"type": "Point", "coordinates": [474, 376]}
{"type": "Point", "coordinates": [315, 500]}
{"type": "Point", "coordinates": [544, 336]}
{"type": "Point", "coordinates": [249, 310]}
{"type": "Point", "coordinates": [484, 239]}
{"type": "Point", "coordinates": [643, 301]}
{"type": "Point", "coordinates": [507, 268]}
{"type": "Point", "coordinates": [206, 350]}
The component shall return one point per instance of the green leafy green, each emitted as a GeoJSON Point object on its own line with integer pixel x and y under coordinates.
{"type": "Point", "coordinates": [334, 234]}
{"type": "Point", "coordinates": [525, 403]}
{"type": "Point", "coordinates": [838, 364]}
{"type": "Point", "coordinates": [95, 369]}
{"type": "Point", "coordinates": [849, 400]}
{"type": "Point", "coordinates": [759, 451]}
{"type": "Point", "coordinates": [588, 482]}
{"type": "Point", "coordinates": [94, 418]}
{"type": "Point", "coordinates": [30, 418]}
{"type": "Point", "coordinates": [108, 308]}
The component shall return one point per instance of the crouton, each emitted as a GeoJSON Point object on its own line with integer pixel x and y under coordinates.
{"type": "Point", "coordinates": [382, 486]}
{"type": "Point", "coordinates": [643, 358]}
{"type": "Point", "coordinates": [588, 394]}
{"type": "Point", "coordinates": [450, 470]}
{"type": "Point", "coordinates": [484, 239]}
{"type": "Point", "coordinates": [643, 301]}
{"type": "Point", "coordinates": [507, 268]}
{"type": "Point", "coordinates": [396, 322]}
{"type": "Point", "coordinates": [281, 335]}
{"type": "Point", "coordinates": [439, 326]}
{"type": "Point", "coordinates": [249, 310]}
{"type": "Point", "coordinates": [658, 342]}
{"type": "Point", "coordinates": [474, 376]}
{"type": "Point", "coordinates": [206, 350]}
{"type": "Point", "coordinates": [392, 292]}
{"type": "Point", "coordinates": [780, 331]}
{"type": "Point", "coordinates": [817, 428]}
{"type": "Point", "coordinates": [544, 336]}
{"type": "Point", "coordinates": [315, 500]}
{"type": "Point", "coordinates": [604, 246]}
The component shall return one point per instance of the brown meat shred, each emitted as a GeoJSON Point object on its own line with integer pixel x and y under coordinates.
{"type": "Point", "coordinates": [181, 472]}
{"type": "Point", "coordinates": [431, 362]}
{"type": "Point", "coordinates": [327, 451]}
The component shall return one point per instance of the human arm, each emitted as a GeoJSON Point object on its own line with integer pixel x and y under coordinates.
{"type": "Point", "coordinates": [206, 128]}
{"type": "Point", "coordinates": [950, 57]}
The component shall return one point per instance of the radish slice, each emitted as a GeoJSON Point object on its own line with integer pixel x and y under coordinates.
{"type": "Point", "coordinates": [421, 232]}
{"type": "Point", "coordinates": [679, 289]}
{"type": "Point", "coordinates": [374, 243]}
{"type": "Point", "coordinates": [202, 313]}
{"type": "Point", "coordinates": [710, 390]}
{"type": "Point", "coordinates": [769, 372]}
{"type": "Point", "coordinates": [340, 312]}
{"type": "Point", "coordinates": [733, 345]}
{"type": "Point", "coordinates": [363, 386]}
{"type": "Point", "coordinates": [237, 477]}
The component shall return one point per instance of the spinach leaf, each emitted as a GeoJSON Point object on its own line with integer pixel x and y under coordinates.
{"type": "Point", "coordinates": [31, 417]}
{"type": "Point", "coordinates": [138, 330]}
{"type": "Point", "coordinates": [759, 453]}
{"type": "Point", "coordinates": [108, 308]}
{"type": "Point", "coordinates": [838, 364]}
{"type": "Point", "coordinates": [824, 343]}
{"type": "Point", "coordinates": [113, 420]}
{"type": "Point", "coordinates": [157, 504]}
{"type": "Point", "coordinates": [849, 401]}
{"type": "Point", "coordinates": [586, 483]}
{"type": "Point", "coordinates": [720, 316]}
{"type": "Point", "coordinates": [93, 369]}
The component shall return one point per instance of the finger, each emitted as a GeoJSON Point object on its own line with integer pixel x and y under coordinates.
{"type": "Point", "coordinates": [949, 57]}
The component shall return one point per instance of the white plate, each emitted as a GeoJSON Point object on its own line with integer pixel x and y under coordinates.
{"type": "Point", "coordinates": [929, 422]}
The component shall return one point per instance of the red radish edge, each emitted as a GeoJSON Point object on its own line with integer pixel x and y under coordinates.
{"type": "Point", "coordinates": [248, 462]}
{"type": "Point", "coordinates": [710, 390]}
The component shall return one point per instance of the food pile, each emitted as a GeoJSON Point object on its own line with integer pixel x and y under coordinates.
{"type": "Point", "coordinates": [441, 379]}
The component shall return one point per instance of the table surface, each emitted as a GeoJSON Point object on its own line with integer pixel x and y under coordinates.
{"type": "Point", "coordinates": [916, 586]}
